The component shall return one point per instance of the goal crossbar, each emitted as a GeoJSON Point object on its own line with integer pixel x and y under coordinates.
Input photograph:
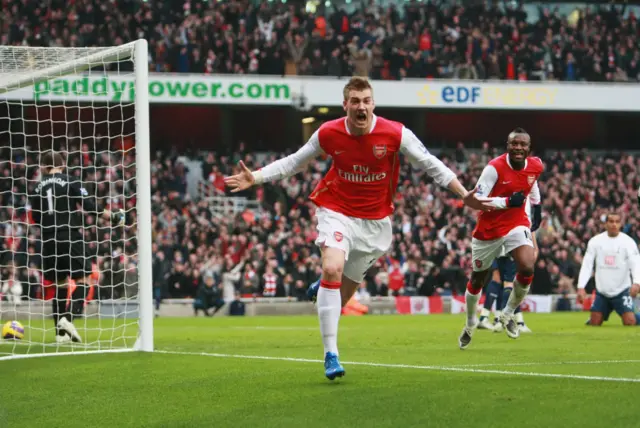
{"type": "Point", "coordinates": [9, 81]}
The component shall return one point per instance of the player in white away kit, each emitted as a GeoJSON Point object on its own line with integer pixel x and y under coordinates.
{"type": "Point", "coordinates": [355, 198]}
{"type": "Point", "coordinates": [616, 260]}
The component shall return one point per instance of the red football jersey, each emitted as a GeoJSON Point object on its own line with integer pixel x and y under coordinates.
{"type": "Point", "coordinates": [497, 224]}
{"type": "Point", "coordinates": [364, 175]}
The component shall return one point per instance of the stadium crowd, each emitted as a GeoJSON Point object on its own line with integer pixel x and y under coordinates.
{"type": "Point", "coordinates": [211, 255]}
{"type": "Point", "coordinates": [407, 40]}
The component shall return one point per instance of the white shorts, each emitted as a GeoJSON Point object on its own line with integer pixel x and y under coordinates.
{"type": "Point", "coordinates": [363, 241]}
{"type": "Point", "coordinates": [484, 253]}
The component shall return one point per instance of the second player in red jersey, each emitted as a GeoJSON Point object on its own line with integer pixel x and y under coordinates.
{"type": "Point", "coordinates": [500, 180]}
{"type": "Point", "coordinates": [508, 180]}
{"type": "Point", "coordinates": [355, 198]}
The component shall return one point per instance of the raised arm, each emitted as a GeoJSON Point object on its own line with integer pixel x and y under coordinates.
{"type": "Point", "coordinates": [282, 168]}
{"type": "Point", "coordinates": [420, 158]}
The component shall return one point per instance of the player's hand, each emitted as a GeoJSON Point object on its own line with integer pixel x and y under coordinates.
{"type": "Point", "coordinates": [118, 217]}
{"type": "Point", "coordinates": [582, 294]}
{"type": "Point", "coordinates": [516, 200]}
{"type": "Point", "coordinates": [241, 181]}
{"type": "Point", "coordinates": [635, 288]}
{"type": "Point", "coordinates": [472, 201]}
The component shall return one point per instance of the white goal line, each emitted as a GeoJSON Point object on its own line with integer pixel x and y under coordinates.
{"type": "Point", "coordinates": [64, 354]}
{"type": "Point", "coordinates": [409, 366]}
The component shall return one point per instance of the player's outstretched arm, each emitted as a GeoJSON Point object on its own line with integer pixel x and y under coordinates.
{"type": "Point", "coordinates": [586, 270]}
{"type": "Point", "coordinates": [420, 158]}
{"type": "Point", "coordinates": [282, 168]}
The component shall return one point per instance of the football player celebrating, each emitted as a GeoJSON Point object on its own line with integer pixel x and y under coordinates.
{"type": "Point", "coordinates": [507, 180]}
{"type": "Point", "coordinates": [355, 198]}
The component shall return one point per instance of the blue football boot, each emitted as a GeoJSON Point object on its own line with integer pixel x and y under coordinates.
{"type": "Point", "coordinates": [332, 366]}
{"type": "Point", "coordinates": [312, 291]}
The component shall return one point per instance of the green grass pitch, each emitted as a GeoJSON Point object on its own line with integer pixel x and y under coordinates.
{"type": "Point", "coordinates": [402, 371]}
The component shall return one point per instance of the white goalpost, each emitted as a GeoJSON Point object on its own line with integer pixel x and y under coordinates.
{"type": "Point", "coordinates": [91, 105]}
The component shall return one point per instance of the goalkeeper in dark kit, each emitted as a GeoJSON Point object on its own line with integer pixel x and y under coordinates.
{"type": "Point", "coordinates": [59, 207]}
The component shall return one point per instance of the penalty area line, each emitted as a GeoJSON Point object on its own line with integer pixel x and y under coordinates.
{"type": "Point", "coordinates": [409, 366]}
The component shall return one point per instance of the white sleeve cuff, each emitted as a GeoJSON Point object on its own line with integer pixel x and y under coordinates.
{"type": "Point", "coordinates": [258, 177]}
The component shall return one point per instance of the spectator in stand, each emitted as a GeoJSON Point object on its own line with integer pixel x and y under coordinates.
{"type": "Point", "coordinates": [192, 240]}
{"type": "Point", "coordinates": [207, 297]}
{"type": "Point", "coordinates": [237, 307]}
{"type": "Point", "coordinates": [11, 289]}
{"type": "Point", "coordinates": [425, 41]}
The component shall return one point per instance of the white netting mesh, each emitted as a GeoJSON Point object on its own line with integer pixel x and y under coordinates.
{"type": "Point", "coordinates": [45, 105]}
{"type": "Point", "coordinates": [23, 66]}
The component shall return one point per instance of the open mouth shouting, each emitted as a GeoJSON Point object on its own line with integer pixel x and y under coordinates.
{"type": "Point", "coordinates": [361, 117]}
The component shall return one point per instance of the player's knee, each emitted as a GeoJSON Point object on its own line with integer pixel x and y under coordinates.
{"type": "Point", "coordinates": [629, 319]}
{"type": "Point", "coordinates": [596, 319]}
{"type": "Point", "coordinates": [332, 270]}
{"type": "Point", "coordinates": [479, 278]}
{"type": "Point", "coordinates": [526, 269]}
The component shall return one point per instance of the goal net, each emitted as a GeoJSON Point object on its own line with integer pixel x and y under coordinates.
{"type": "Point", "coordinates": [81, 103]}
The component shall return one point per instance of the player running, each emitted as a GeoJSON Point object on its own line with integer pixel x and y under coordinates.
{"type": "Point", "coordinates": [355, 198]}
{"type": "Point", "coordinates": [616, 260]}
{"type": "Point", "coordinates": [508, 180]}
{"type": "Point", "coordinates": [55, 207]}
{"type": "Point", "coordinates": [501, 284]}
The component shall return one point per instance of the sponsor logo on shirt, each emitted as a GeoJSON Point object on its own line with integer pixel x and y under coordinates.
{"type": "Point", "coordinates": [361, 174]}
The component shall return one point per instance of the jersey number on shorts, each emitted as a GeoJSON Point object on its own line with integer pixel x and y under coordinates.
{"type": "Point", "coordinates": [627, 302]}
{"type": "Point", "coordinates": [527, 235]}
{"type": "Point", "coordinates": [50, 200]}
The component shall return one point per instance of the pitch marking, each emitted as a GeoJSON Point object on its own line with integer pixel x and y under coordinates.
{"type": "Point", "coordinates": [549, 363]}
{"type": "Point", "coordinates": [408, 366]}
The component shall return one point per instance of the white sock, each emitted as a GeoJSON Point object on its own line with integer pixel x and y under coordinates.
{"type": "Point", "coordinates": [496, 316]}
{"type": "Point", "coordinates": [471, 301]}
{"type": "Point", "coordinates": [485, 312]}
{"type": "Point", "coordinates": [516, 297]}
{"type": "Point", "coordinates": [329, 307]}
{"type": "Point", "coordinates": [519, 318]}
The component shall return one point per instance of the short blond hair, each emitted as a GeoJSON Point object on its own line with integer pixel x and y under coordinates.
{"type": "Point", "coordinates": [356, 83]}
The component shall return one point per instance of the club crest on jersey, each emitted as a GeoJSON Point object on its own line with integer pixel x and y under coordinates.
{"type": "Point", "coordinates": [379, 150]}
{"type": "Point", "coordinates": [478, 263]}
{"type": "Point", "coordinates": [531, 179]}
{"type": "Point", "coordinates": [337, 236]}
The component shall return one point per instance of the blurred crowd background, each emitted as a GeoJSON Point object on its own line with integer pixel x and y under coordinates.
{"type": "Point", "coordinates": [212, 248]}
{"type": "Point", "coordinates": [267, 248]}
{"type": "Point", "coordinates": [466, 40]}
